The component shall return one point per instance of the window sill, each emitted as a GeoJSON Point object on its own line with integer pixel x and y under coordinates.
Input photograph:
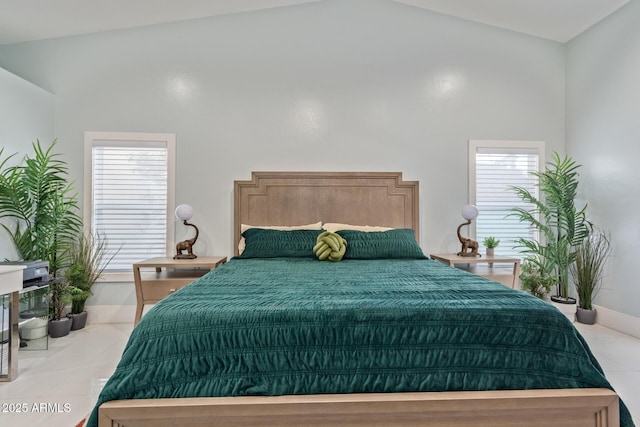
{"type": "Point", "coordinates": [116, 276]}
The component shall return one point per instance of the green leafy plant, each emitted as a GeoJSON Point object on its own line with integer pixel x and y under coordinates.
{"type": "Point", "coordinates": [588, 268]}
{"type": "Point", "coordinates": [534, 278]}
{"type": "Point", "coordinates": [40, 200]}
{"type": "Point", "coordinates": [61, 295]}
{"type": "Point", "coordinates": [88, 258]}
{"type": "Point", "coordinates": [490, 242]}
{"type": "Point", "coordinates": [562, 226]}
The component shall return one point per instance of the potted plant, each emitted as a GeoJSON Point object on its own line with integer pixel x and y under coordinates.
{"type": "Point", "coordinates": [561, 225]}
{"type": "Point", "coordinates": [587, 270]}
{"type": "Point", "coordinates": [60, 293]}
{"type": "Point", "coordinates": [490, 243]}
{"type": "Point", "coordinates": [534, 278]}
{"type": "Point", "coordinates": [88, 258]}
{"type": "Point", "coordinates": [43, 205]}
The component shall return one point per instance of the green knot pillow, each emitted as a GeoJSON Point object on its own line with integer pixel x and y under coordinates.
{"type": "Point", "coordinates": [330, 247]}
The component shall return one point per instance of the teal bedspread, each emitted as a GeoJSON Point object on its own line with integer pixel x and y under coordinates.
{"type": "Point", "coordinates": [301, 326]}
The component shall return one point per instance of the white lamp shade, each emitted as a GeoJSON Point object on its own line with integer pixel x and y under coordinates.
{"type": "Point", "coordinates": [184, 212]}
{"type": "Point", "coordinates": [469, 212]}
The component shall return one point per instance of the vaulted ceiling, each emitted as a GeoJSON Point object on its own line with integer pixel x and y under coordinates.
{"type": "Point", "coordinates": [27, 20]}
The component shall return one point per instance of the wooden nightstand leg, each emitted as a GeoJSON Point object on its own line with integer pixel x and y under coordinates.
{"type": "Point", "coordinates": [516, 275]}
{"type": "Point", "coordinates": [137, 279]}
{"type": "Point", "coordinates": [139, 308]}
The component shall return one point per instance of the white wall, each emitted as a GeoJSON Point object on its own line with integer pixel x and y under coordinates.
{"type": "Point", "coordinates": [337, 85]}
{"type": "Point", "coordinates": [27, 113]}
{"type": "Point", "coordinates": [603, 131]}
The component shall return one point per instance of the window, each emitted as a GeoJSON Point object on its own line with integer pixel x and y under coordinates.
{"type": "Point", "coordinates": [495, 166]}
{"type": "Point", "coordinates": [129, 193]}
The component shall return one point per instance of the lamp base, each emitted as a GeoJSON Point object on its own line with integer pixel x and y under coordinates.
{"type": "Point", "coordinates": [469, 254]}
{"type": "Point", "coordinates": [469, 247]}
{"type": "Point", "coordinates": [185, 256]}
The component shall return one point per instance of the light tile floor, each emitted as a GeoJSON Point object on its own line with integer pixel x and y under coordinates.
{"type": "Point", "coordinates": [58, 387]}
{"type": "Point", "coordinates": [619, 356]}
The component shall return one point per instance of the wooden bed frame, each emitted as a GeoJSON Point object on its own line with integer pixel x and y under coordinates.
{"type": "Point", "coordinates": [384, 199]}
{"type": "Point", "coordinates": [293, 198]}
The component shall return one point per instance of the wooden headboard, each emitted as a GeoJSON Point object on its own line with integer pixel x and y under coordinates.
{"type": "Point", "coordinates": [293, 198]}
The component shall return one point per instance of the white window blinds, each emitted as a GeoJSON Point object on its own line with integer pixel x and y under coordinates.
{"type": "Point", "coordinates": [130, 197]}
{"type": "Point", "coordinates": [498, 166]}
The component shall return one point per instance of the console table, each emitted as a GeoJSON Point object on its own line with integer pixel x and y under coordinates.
{"type": "Point", "coordinates": [168, 276]}
{"type": "Point", "coordinates": [485, 266]}
{"type": "Point", "coordinates": [10, 285]}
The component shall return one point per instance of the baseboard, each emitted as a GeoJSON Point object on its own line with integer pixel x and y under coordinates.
{"type": "Point", "coordinates": [621, 322]}
{"type": "Point", "coordinates": [110, 314]}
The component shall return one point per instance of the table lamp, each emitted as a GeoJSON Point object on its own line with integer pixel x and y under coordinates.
{"type": "Point", "coordinates": [469, 246]}
{"type": "Point", "coordinates": [184, 213]}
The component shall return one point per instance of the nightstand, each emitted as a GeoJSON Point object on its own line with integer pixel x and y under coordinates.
{"type": "Point", "coordinates": [507, 276]}
{"type": "Point", "coordinates": [169, 276]}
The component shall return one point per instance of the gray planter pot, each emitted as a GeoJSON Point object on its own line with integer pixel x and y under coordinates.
{"type": "Point", "coordinates": [78, 321]}
{"type": "Point", "coordinates": [588, 317]}
{"type": "Point", "coordinates": [59, 328]}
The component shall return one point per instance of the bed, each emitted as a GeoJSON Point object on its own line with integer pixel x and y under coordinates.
{"type": "Point", "coordinates": [275, 337]}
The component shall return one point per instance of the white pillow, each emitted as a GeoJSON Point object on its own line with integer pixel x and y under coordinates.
{"type": "Point", "coordinates": [336, 226]}
{"type": "Point", "coordinates": [245, 227]}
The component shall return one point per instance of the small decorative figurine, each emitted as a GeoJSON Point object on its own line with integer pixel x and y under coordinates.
{"type": "Point", "coordinates": [469, 246]}
{"type": "Point", "coordinates": [184, 213]}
